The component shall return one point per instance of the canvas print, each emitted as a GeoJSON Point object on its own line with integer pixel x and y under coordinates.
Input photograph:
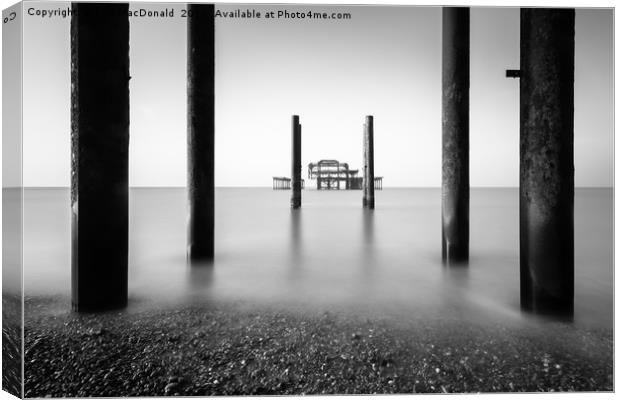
{"type": "Point", "coordinates": [290, 199]}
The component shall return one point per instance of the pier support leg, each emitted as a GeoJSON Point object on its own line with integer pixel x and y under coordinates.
{"type": "Point", "coordinates": [99, 155]}
{"type": "Point", "coordinates": [295, 162]}
{"type": "Point", "coordinates": [368, 200]}
{"type": "Point", "coordinates": [546, 164]}
{"type": "Point", "coordinates": [201, 130]}
{"type": "Point", "coordinates": [455, 135]}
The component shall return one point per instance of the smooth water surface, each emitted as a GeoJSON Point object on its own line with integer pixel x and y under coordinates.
{"type": "Point", "coordinates": [331, 253]}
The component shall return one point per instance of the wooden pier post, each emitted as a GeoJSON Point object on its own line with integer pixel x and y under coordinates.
{"type": "Point", "coordinates": [99, 155]}
{"type": "Point", "coordinates": [295, 162]}
{"type": "Point", "coordinates": [546, 160]}
{"type": "Point", "coordinates": [368, 184]}
{"type": "Point", "coordinates": [455, 135]}
{"type": "Point", "coordinates": [364, 163]}
{"type": "Point", "coordinates": [200, 130]}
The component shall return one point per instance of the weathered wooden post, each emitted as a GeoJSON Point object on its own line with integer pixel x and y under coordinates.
{"type": "Point", "coordinates": [99, 155]}
{"type": "Point", "coordinates": [295, 162]}
{"type": "Point", "coordinates": [546, 167]}
{"type": "Point", "coordinates": [368, 185]}
{"type": "Point", "coordinates": [200, 130]}
{"type": "Point", "coordinates": [455, 135]}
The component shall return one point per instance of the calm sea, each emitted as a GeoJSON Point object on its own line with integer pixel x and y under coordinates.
{"type": "Point", "coordinates": [331, 253]}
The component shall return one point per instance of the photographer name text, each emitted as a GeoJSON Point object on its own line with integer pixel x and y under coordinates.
{"type": "Point", "coordinates": [237, 14]}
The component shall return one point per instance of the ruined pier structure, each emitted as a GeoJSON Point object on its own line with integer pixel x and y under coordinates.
{"type": "Point", "coordinates": [330, 174]}
{"type": "Point", "coordinates": [100, 144]}
{"type": "Point", "coordinates": [284, 183]}
{"type": "Point", "coordinates": [546, 152]}
{"type": "Point", "coordinates": [335, 175]}
{"type": "Point", "coordinates": [100, 149]}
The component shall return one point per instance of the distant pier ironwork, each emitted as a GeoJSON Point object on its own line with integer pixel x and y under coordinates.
{"type": "Point", "coordinates": [284, 183]}
{"type": "Point", "coordinates": [334, 175]}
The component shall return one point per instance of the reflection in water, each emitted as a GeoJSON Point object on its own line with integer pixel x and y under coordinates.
{"type": "Point", "coordinates": [456, 285]}
{"type": "Point", "coordinates": [368, 248]}
{"type": "Point", "coordinates": [368, 217]}
{"type": "Point", "coordinates": [200, 275]}
{"type": "Point", "coordinates": [296, 228]}
{"type": "Point", "coordinates": [200, 282]}
{"type": "Point", "coordinates": [457, 274]}
{"type": "Point", "coordinates": [296, 244]}
{"type": "Point", "coordinates": [547, 259]}
{"type": "Point", "coordinates": [12, 200]}
{"type": "Point", "coordinates": [330, 253]}
{"type": "Point", "coordinates": [453, 262]}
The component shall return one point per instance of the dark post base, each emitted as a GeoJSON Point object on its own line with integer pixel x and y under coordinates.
{"type": "Point", "coordinates": [99, 156]}
{"type": "Point", "coordinates": [295, 163]}
{"type": "Point", "coordinates": [455, 135]}
{"type": "Point", "coordinates": [454, 253]}
{"type": "Point", "coordinates": [546, 160]}
{"type": "Point", "coordinates": [201, 131]}
{"type": "Point", "coordinates": [368, 200]}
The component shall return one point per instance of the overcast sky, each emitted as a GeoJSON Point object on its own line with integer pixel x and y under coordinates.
{"type": "Point", "coordinates": [384, 61]}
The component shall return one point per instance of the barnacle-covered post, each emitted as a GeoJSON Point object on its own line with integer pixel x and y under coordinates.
{"type": "Point", "coordinates": [368, 185]}
{"type": "Point", "coordinates": [295, 162]}
{"type": "Point", "coordinates": [546, 168]}
{"type": "Point", "coordinates": [99, 155]}
{"type": "Point", "coordinates": [455, 135]}
{"type": "Point", "coordinates": [200, 130]}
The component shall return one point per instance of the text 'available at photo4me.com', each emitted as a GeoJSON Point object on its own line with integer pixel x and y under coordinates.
{"type": "Point", "coordinates": [182, 12]}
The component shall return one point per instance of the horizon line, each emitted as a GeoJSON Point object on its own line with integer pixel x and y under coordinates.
{"type": "Point", "coordinates": [270, 187]}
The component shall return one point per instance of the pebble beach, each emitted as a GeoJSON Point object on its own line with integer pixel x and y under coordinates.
{"type": "Point", "coordinates": [238, 348]}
